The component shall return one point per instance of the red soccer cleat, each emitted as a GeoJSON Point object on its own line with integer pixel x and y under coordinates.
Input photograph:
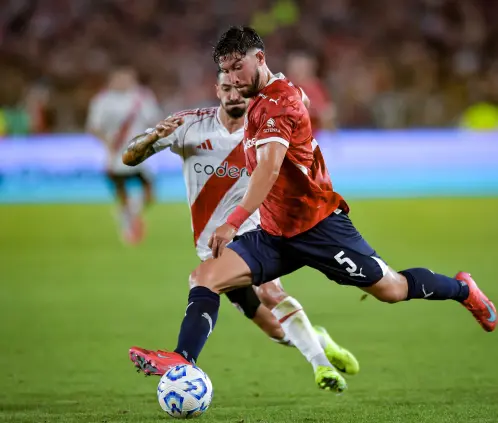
{"type": "Point", "coordinates": [478, 304]}
{"type": "Point", "coordinates": [155, 362]}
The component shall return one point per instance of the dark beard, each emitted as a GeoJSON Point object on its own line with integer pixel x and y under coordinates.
{"type": "Point", "coordinates": [253, 89]}
{"type": "Point", "coordinates": [236, 112]}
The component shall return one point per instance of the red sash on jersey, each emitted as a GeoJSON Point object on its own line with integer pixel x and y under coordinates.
{"type": "Point", "coordinates": [213, 192]}
{"type": "Point", "coordinates": [121, 136]}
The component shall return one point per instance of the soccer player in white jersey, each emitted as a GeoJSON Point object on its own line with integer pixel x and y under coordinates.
{"type": "Point", "coordinates": [121, 110]}
{"type": "Point", "coordinates": [210, 143]}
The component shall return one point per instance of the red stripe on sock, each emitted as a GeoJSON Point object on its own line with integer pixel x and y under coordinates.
{"type": "Point", "coordinates": [283, 319]}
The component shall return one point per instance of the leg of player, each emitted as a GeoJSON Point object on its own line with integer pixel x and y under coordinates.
{"type": "Point", "coordinates": [213, 277]}
{"type": "Point", "coordinates": [209, 280]}
{"type": "Point", "coordinates": [248, 303]}
{"type": "Point", "coordinates": [136, 206]}
{"type": "Point", "coordinates": [125, 218]}
{"type": "Point", "coordinates": [147, 189]}
{"type": "Point", "coordinates": [297, 331]}
{"type": "Point", "coordinates": [350, 260]}
{"type": "Point", "coordinates": [313, 342]}
{"type": "Point", "coordinates": [420, 283]}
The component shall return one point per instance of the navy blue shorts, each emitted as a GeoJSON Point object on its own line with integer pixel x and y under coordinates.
{"type": "Point", "coordinates": [333, 246]}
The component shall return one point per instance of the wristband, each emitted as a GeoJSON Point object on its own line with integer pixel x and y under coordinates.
{"type": "Point", "coordinates": [238, 217]}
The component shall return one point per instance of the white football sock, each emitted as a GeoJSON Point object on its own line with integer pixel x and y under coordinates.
{"type": "Point", "coordinates": [136, 204]}
{"type": "Point", "coordinates": [299, 331]}
{"type": "Point", "coordinates": [125, 219]}
{"type": "Point", "coordinates": [284, 341]}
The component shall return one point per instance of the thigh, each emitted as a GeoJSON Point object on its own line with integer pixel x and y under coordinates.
{"type": "Point", "coordinates": [222, 274]}
{"type": "Point", "coordinates": [337, 249]}
{"type": "Point", "coordinates": [265, 255]}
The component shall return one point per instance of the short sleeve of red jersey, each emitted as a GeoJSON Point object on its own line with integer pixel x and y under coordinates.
{"type": "Point", "coordinates": [276, 123]}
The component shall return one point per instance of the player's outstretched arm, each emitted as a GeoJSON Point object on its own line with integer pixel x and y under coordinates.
{"type": "Point", "coordinates": [270, 157]}
{"type": "Point", "coordinates": [142, 146]}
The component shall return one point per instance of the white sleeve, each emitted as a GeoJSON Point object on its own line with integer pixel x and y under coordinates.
{"type": "Point", "coordinates": [176, 139]}
{"type": "Point", "coordinates": [172, 141]}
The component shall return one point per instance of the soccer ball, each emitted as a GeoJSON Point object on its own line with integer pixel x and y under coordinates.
{"type": "Point", "coordinates": [185, 391]}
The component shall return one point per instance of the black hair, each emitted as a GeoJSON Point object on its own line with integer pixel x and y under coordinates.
{"type": "Point", "coordinates": [237, 40]}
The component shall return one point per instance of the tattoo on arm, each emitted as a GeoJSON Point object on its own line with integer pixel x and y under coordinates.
{"type": "Point", "coordinates": [140, 149]}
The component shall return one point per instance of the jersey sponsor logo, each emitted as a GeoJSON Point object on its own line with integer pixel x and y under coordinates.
{"type": "Point", "coordinates": [222, 170]}
{"type": "Point", "coordinates": [271, 126]}
{"type": "Point", "coordinates": [214, 189]}
{"type": "Point", "coordinates": [249, 143]}
{"type": "Point", "coordinates": [274, 100]}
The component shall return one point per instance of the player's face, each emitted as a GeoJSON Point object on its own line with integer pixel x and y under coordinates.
{"type": "Point", "coordinates": [243, 72]}
{"type": "Point", "coordinates": [231, 101]}
{"type": "Point", "coordinates": [122, 79]}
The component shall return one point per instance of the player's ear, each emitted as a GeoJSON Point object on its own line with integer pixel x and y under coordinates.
{"type": "Point", "coordinates": [260, 56]}
{"type": "Point", "coordinates": [218, 89]}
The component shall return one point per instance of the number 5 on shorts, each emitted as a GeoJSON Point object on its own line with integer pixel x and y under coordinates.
{"type": "Point", "coordinates": [341, 260]}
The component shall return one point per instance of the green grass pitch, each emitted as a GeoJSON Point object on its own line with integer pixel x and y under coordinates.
{"type": "Point", "coordinates": [73, 299]}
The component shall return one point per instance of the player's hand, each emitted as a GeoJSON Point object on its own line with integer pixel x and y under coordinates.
{"type": "Point", "coordinates": [168, 126]}
{"type": "Point", "coordinates": [220, 238]}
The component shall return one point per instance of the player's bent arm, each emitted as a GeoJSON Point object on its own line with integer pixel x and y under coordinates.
{"type": "Point", "coordinates": [140, 148]}
{"type": "Point", "coordinates": [270, 157]}
{"type": "Point", "coordinates": [143, 146]}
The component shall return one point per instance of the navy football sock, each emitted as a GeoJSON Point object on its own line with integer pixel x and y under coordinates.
{"type": "Point", "coordinates": [422, 283]}
{"type": "Point", "coordinates": [198, 323]}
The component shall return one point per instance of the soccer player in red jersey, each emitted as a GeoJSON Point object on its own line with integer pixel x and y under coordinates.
{"type": "Point", "coordinates": [304, 222]}
{"type": "Point", "coordinates": [210, 143]}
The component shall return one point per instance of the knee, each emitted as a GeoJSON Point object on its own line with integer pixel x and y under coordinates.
{"type": "Point", "coordinates": [203, 276]}
{"type": "Point", "coordinates": [391, 291]}
{"type": "Point", "coordinates": [271, 294]}
{"type": "Point", "coordinates": [389, 297]}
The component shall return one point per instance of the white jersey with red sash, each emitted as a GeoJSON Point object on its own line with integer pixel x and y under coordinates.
{"type": "Point", "coordinates": [214, 170]}
{"type": "Point", "coordinates": [118, 116]}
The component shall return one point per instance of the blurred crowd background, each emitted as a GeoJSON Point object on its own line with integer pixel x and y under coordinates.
{"type": "Point", "coordinates": [367, 64]}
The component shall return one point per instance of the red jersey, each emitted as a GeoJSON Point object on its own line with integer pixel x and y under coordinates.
{"type": "Point", "coordinates": [303, 195]}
